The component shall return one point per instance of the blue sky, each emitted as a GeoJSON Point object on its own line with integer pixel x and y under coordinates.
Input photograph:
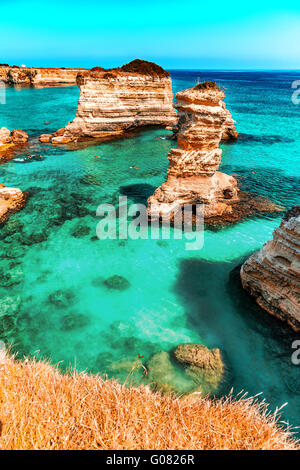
{"type": "Point", "coordinates": [176, 34]}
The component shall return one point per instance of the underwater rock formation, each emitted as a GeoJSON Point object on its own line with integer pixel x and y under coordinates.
{"type": "Point", "coordinates": [15, 137]}
{"type": "Point", "coordinates": [38, 77]}
{"type": "Point", "coordinates": [11, 200]}
{"type": "Point", "coordinates": [117, 282]}
{"type": "Point", "coordinates": [190, 368]}
{"type": "Point", "coordinates": [272, 274]}
{"type": "Point", "coordinates": [113, 102]}
{"type": "Point", "coordinates": [192, 175]}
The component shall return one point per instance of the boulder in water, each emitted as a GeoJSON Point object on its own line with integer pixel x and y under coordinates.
{"type": "Point", "coordinates": [62, 298]}
{"type": "Point", "coordinates": [73, 321]}
{"type": "Point", "coordinates": [117, 282]}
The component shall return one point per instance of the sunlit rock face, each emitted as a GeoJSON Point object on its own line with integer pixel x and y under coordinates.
{"type": "Point", "coordinates": [15, 137]}
{"type": "Point", "coordinates": [38, 77]}
{"type": "Point", "coordinates": [192, 175]}
{"type": "Point", "coordinates": [272, 274]}
{"type": "Point", "coordinates": [11, 200]}
{"type": "Point", "coordinates": [114, 102]}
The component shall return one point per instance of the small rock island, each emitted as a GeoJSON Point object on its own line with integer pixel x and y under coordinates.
{"type": "Point", "coordinates": [116, 101]}
{"type": "Point", "coordinates": [193, 176]}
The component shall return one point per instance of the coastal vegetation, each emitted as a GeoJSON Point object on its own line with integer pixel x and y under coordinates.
{"type": "Point", "coordinates": [40, 408]}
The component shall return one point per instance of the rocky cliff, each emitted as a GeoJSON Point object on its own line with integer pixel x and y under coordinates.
{"type": "Point", "coordinates": [11, 200]}
{"type": "Point", "coordinates": [272, 274]}
{"type": "Point", "coordinates": [113, 102]}
{"type": "Point", "coordinates": [38, 77]}
{"type": "Point", "coordinates": [192, 176]}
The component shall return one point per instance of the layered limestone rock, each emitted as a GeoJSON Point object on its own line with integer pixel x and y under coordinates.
{"type": "Point", "coordinates": [113, 102]}
{"type": "Point", "coordinates": [11, 200]}
{"type": "Point", "coordinates": [38, 77]}
{"type": "Point", "coordinates": [229, 131]}
{"type": "Point", "coordinates": [15, 137]}
{"type": "Point", "coordinates": [192, 175]}
{"type": "Point", "coordinates": [272, 274]}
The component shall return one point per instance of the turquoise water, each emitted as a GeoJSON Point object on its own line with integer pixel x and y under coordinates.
{"type": "Point", "coordinates": [59, 305]}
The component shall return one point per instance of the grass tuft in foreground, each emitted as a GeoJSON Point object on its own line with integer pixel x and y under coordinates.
{"type": "Point", "coordinates": [42, 409]}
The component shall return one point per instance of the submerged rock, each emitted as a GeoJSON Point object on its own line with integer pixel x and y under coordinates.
{"type": "Point", "coordinates": [162, 373]}
{"type": "Point", "coordinates": [10, 228]}
{"type": "Point", "coordinates": [190, 368]}
{"type": "Point", "coordinates": [14, 252]}
{"type": "Point", "coordinates": [81, 231]}
{"type": "Point", "coordinates": [9, 305]}
{"type": "Point", "coordinates": [272, 274]}
{"type": "Point", "coordinates": [73, 321]}
{"type": "Point", "coordinates": [62, 298]}
{"type": "Point", "coordinates": [32, 239]}
{"type": "Point", "coordinates": [91, 179]}
{"type": "Point", "coordinates": [203, 364]}
{"type": "Point", "coordinates": [117, 282]}
{"type": "Point", "coordinates": [11, 278]}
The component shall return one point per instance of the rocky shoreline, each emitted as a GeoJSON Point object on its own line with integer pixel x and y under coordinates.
{"type": "Point", "coordinates": [11, 200]}
{"type": "Point", "coordinates": [271, 275]}
{"type": "Point", "coordinates": [38, 77]}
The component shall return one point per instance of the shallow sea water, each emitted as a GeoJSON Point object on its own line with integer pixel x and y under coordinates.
{"type": "Point", "coordinates": [61, 307]}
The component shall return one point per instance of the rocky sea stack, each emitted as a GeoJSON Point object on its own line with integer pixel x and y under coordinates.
{"type": "Point", "coordinates": [272, 274]}
{"type": "Point", "coordinates": [115, 101]}
{"type": "Point", "coordinates": [192, 175]}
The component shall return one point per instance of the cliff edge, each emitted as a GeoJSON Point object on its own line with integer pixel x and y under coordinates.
{"type": "Point", "coordinates": [272, 274]}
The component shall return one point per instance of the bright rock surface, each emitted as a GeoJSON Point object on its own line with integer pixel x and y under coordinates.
{"type": "Point", "coordinates": [11, 200]}
{"type": "Point", "coordinates": [38, 77]}
{"type": "Point", "coordinates": [192, 175]}
{"type": "Point", "coordinates": [114, 102]}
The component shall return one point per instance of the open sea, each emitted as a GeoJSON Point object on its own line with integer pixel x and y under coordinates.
{"type": "Point", "coordinates": [55, 303]}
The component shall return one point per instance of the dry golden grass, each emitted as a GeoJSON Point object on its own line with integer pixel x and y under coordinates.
{"type": "Point", "coordinates": [42, 409]}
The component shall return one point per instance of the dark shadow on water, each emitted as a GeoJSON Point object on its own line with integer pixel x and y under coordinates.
{"type": "Point", "coordinates": [263, 139]}
{"type": "Point", "coordinates": [138, 193]}
{"type": "Point", "coordinates": [257, 345]}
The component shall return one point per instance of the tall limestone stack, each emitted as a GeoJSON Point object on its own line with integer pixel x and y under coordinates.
{"type": "Point", "coordinates": [192, 175]}
{"type": "Point", "coordinates": [272, 274]}
{"type": "Point", "coordinates": [113, 102]}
